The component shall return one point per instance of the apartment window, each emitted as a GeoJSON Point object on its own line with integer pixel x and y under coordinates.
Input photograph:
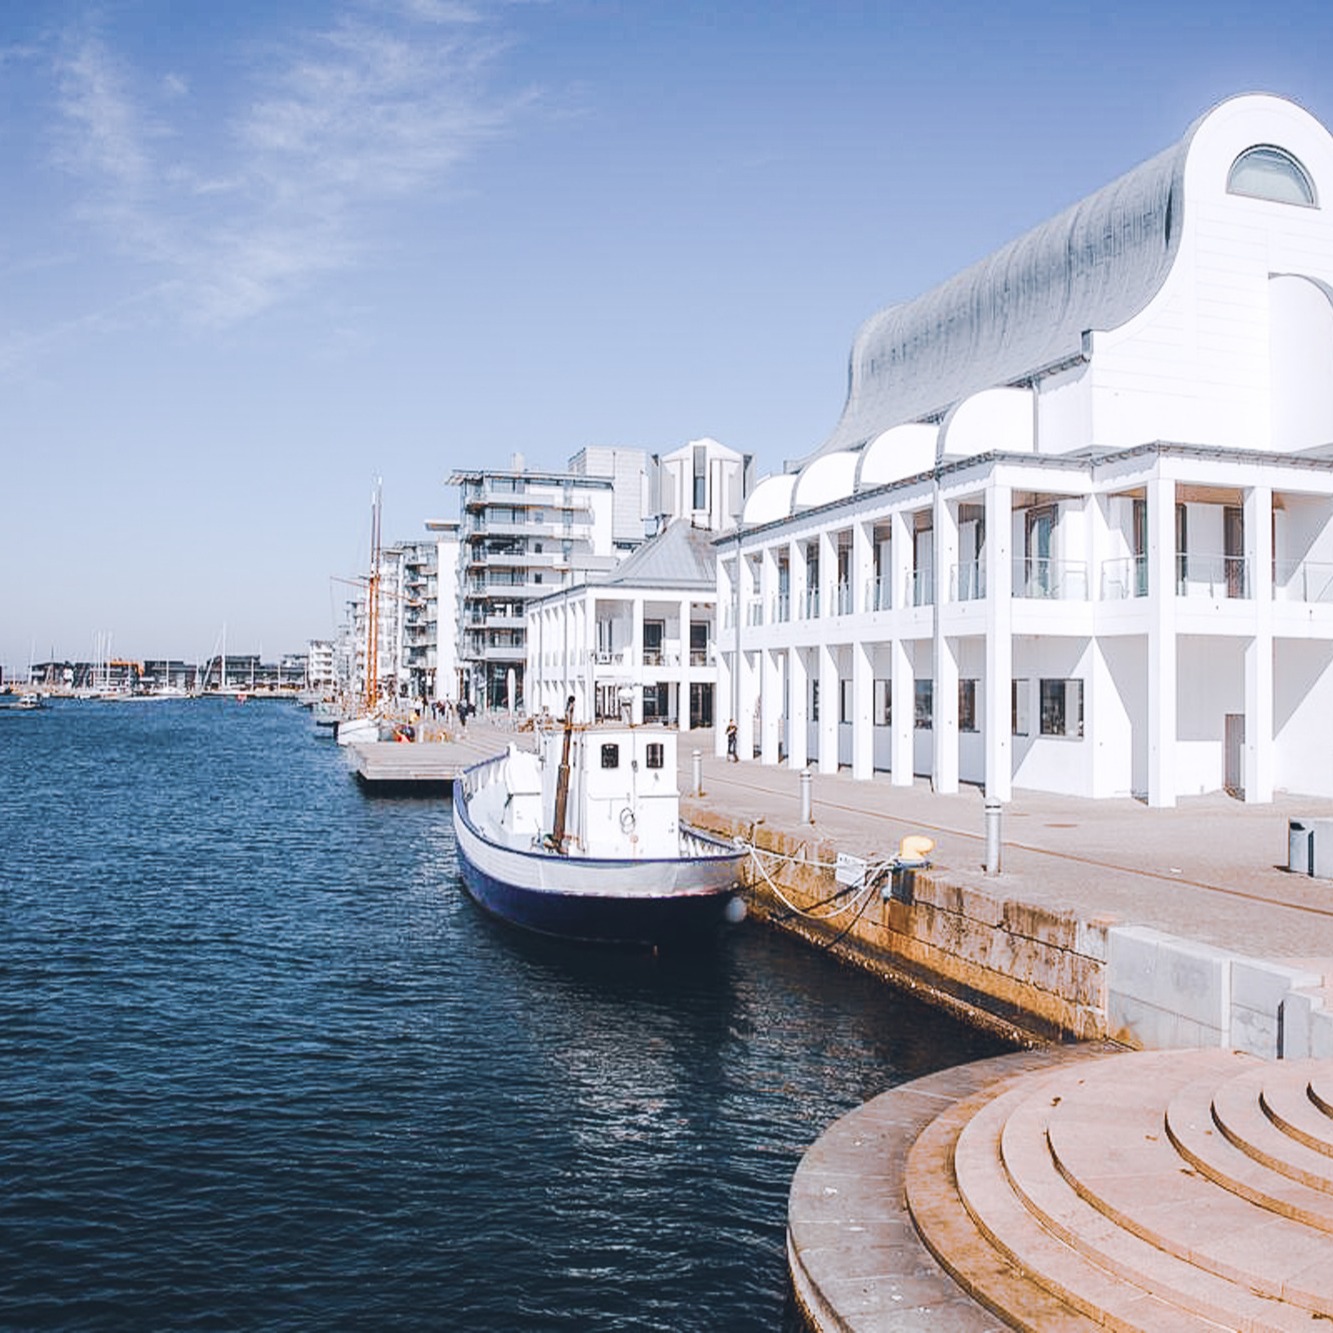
{"type": "Point", "coordinates": [611, 756]}
{"type": "Point", "coordinates": [967, 705]}
{"type": "Point", "coordinates": [925, 704]}
{"type": "Point", "coordinates": [1020, 707]}
{"type": "Point", "coordinates": [654, 753]}
{"type": "Point", "coordinates": [814, 701]}
{"type": "Point", "coordinates": [883, 703]}
{"type": "Point", "coordinates": [1062, 708]}
{"type": "Point", "coordinates": [700, 461]}
{"type": "Point", "coordinates": [1268, 172]}
{"type": "Point", "coordinates": [846, 705]}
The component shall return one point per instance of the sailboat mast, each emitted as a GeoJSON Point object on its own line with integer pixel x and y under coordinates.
{"type": "Point", "coordinates": [373, 603]}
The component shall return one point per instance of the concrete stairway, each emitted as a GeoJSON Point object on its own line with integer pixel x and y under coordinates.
{"type": "Point", "coordinates": [1155, 1191]}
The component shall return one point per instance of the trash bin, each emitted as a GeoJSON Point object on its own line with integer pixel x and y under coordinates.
{"type": "Point", "coordinates": [1300, 847]}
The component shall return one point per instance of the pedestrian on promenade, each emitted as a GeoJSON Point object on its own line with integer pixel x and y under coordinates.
{"type": "Point", "coordinates": [731, 742]}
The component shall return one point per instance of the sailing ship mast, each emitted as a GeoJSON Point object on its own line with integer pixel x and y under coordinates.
{"type": "Point", "coordinates": [373, 602]}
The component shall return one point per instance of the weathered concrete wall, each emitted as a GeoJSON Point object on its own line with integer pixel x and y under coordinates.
{"type": "Point", "coordinates": [1027, 972]}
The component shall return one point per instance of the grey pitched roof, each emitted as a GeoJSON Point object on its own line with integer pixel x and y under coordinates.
{"type": "Point", "coordinates": [680, 556]}
{"type": "Point", "coordinates": [1094, 266]}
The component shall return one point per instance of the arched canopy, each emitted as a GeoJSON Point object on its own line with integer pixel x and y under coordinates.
{"type": "Point", "coordinates": [830, 477]}
{"type": "Point", "coordinates": [771, 499]}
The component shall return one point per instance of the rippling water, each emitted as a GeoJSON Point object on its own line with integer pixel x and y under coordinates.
{"type": "Point", "coordinates": [262, 1064]}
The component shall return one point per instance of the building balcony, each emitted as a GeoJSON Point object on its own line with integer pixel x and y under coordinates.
{"type": "Point", "coordinates": [879, 595]}
{"type": "Point", "coordinates": [781, 609]}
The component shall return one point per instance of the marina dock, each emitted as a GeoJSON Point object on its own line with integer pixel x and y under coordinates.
{"type": "Point", "coordinates": [425, 766]}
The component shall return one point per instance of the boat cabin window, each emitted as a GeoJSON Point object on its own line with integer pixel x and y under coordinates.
{"type": "Point", "coordinates": [654, 753]}
{"type": "Point", "coordinates": [611, 756]}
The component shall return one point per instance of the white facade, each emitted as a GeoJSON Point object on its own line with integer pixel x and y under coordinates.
{"type": "Point", "coordinates": [1074, 530]}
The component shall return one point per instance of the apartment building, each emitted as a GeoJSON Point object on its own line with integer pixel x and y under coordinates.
{"type": "Point", "coordinates": [1074, 529]}
{"type": "Point", "coordinates": [640, 641]}
{"type": "Point", "coordinates": [524, 533]}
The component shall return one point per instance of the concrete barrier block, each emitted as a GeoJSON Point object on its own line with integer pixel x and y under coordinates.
{"type": "Point", "coordinates": [1167, 991]}
{"type": "Point", "coordinates": [1259, 990]}
{"type": "Point", "coordinates": [1307, 1026]}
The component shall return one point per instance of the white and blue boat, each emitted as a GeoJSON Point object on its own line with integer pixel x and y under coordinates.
{"type": "Point", "coordinates": [583, 839]}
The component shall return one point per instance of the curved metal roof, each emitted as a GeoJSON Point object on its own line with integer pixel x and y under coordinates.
{"type": "Point", "coordinates": [1094, 266]}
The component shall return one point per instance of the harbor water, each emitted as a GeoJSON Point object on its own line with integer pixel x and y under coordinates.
{"type": "Point", "coordinates": [264, 1066]}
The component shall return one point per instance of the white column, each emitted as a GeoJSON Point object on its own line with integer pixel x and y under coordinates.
{"type": "Point", "coordinates": [1162, 641]}
{"type": "Point", "coordinates": [944, 733]}
{"type": "Point", "coordinates": [863, 699]}
{"type": "Point", "coordinates": [683, 671]}
{"type": "Point", "coordinates": [999, 568]}
{"type": "Point", "coordinates": [798, 694]}
{"type": "Point", "coordinates": [828, 704]}
{"type": "Point", "coordinates": [863, 564]}
{"type": "Point", "coordinates": [749, 692]}
{"type": "Point", "coordinates": [902, 686]}
{"type": "Point", "coordinates": [1259, 759]}
{"type": "Point", "coordinates": [771, 669]}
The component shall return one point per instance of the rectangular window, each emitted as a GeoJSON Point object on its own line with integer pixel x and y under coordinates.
{"type": "Point", "coordinates": [883, 705]}
{"type": "Point", "coordinates": [845, 704]}
{"type": "Point", "coordinates": [814, 701]}
{"type": "Point", "coordinates": [1020, 707]}
{"type": "Point", "coordinates": [610, 756]}
{"type": "Point", "coordinates": [925, 704]}
{"type": "Point", "coordinates": [967, 705]}
{"type": "Point", "coordinates": [653, 754]}
{"type": "Point", "coordinates": [1062, 708]}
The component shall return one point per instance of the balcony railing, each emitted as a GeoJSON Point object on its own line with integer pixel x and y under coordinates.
{"type": "Point", "coordinates": [1302, 581]}
{"type": "Point", "coordinates": [1050, 580]}
{"type": "Point", "coordinates": [842, 599]}
{"type": "Point", "coordinates": [1124, 577]}
{"type": "Point", "coordinates": [967, 583]}
{"type": "Point", "coordinates": [781, 608]}
{"type": "Point", "coordinates": [1212, 575]}
{"type": "Point", "coordinates": [879, 595]}
{"type": "Point", "coordinates": [754, 611]}
{"type": "Point", "coordinates": [922, 587]}
{"type": "Point", "coordinates": [810, 606]}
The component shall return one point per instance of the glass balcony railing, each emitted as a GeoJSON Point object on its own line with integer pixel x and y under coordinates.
{"type": "Point", "coordinates": [967, 582]}
{"type": "Point", "coordinates": [1302, 581]}
{"type": "Point", "coordinates": [1212, 575]}
{"type": "Point", "coordinates": [1050, 580]}
{"type": "Point", "coordinates": [1124, 577]}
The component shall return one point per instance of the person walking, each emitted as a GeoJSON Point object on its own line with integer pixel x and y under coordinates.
{"type": "Point", "coordinates": [732, 756]}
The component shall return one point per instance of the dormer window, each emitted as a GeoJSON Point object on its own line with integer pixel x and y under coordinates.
{"type": "Point", "coordinates": [1265, 172]}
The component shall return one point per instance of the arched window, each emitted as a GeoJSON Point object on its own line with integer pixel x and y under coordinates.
{"type": "Point", "coordinates": [1265, 172]}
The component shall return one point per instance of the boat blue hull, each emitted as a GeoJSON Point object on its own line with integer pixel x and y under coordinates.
{"type": "Point", "coordinates": [597, 919]}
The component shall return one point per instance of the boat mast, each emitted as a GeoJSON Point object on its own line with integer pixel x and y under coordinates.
{"type": "Point", "coordinates": [373, 602]}
{"type": "Point", "coordinates": [557, 838]}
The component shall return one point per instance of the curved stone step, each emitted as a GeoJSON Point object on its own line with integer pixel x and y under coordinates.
{"type": "Point", "coordinates": [1120, 1282]}
{"type": "Point", "coordinates": [962, 1249]}
{"type": "Point", "coordinates": [1321, 1087]}
{"type": "Point", "coordinates": [1287, 1101]}
{"type": "Point", "coordinates": [1238, 1111]}
{"type": "Point", "coordinates": [1062, 1210]}
{"type": "Point", "coordinates": [1205, 1145]}
{"type": "Point", "coordinates": [1111, 1142]}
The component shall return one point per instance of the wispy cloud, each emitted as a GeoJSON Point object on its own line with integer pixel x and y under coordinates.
{"type": "Point", "coordinates": [237, 211]}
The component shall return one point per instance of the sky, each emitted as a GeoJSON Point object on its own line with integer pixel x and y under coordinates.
{"type": "Point", "coordinates": [256, 255]}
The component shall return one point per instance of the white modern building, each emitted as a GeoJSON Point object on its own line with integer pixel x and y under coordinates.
{"type": "Point", "coordinates": [1074, 529]}
{"type": "Point", "coordinates": [642, 639]}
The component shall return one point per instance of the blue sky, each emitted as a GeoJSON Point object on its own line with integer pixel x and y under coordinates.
{"type": "Point", "coordinates": [253, 255]}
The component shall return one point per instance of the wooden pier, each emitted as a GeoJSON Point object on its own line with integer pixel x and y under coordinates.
{"type": "Point", "coordinates": [408, 768]}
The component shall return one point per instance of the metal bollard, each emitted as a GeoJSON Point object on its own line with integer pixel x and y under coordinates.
{"type": "Point", "coordinates": [993, 808]}
{"type": "Point", "coordinates": [806, 816]}
{"type": "Point", "coordinates": [698, 772]}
